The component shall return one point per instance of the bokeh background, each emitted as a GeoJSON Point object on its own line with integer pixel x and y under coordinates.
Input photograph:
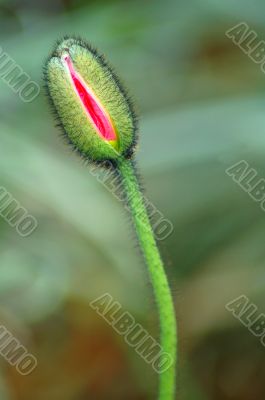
{"type": "Point", "coordinates": [202, 108]}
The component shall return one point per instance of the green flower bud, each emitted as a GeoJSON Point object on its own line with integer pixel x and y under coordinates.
{"type": "Point", "coordinates": [93, 108]}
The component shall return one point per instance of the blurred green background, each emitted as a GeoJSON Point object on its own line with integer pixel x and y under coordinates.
{"type": "Point", "coordinates": [201, 102]}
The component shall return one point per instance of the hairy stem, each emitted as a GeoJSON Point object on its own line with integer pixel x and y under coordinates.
{"type": "Point", "coordinates": [168, 328]}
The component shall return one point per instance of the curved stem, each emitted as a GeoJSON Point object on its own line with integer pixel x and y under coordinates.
{"type": "Point", "coordinates": [168, 329]}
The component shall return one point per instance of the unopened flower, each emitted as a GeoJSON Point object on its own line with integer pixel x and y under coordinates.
{"type": "Point", "coordinates": [92, 107]}
{"type": "Point", "coordinates": [98, 119]}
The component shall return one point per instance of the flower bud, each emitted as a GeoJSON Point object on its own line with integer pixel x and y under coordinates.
{"type": "Point", "coordinates": [93, 108]}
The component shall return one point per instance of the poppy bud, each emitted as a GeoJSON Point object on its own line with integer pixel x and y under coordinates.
{"type": "Point", "coordinates": [93, 108]}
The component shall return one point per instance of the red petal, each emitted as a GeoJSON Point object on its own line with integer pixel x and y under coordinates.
{"type": "Point", "coordinates": [96, 112]}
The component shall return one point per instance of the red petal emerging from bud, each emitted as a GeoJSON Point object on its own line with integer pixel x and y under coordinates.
{"type": "Point", "coordinates": [94, 109]}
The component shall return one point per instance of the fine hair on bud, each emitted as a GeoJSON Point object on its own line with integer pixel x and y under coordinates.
{"type": "Point", "coordinates": [91, 105]}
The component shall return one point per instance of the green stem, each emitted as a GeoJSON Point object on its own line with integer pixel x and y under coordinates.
{"type": "Point", "coordinates": [168, 329]}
